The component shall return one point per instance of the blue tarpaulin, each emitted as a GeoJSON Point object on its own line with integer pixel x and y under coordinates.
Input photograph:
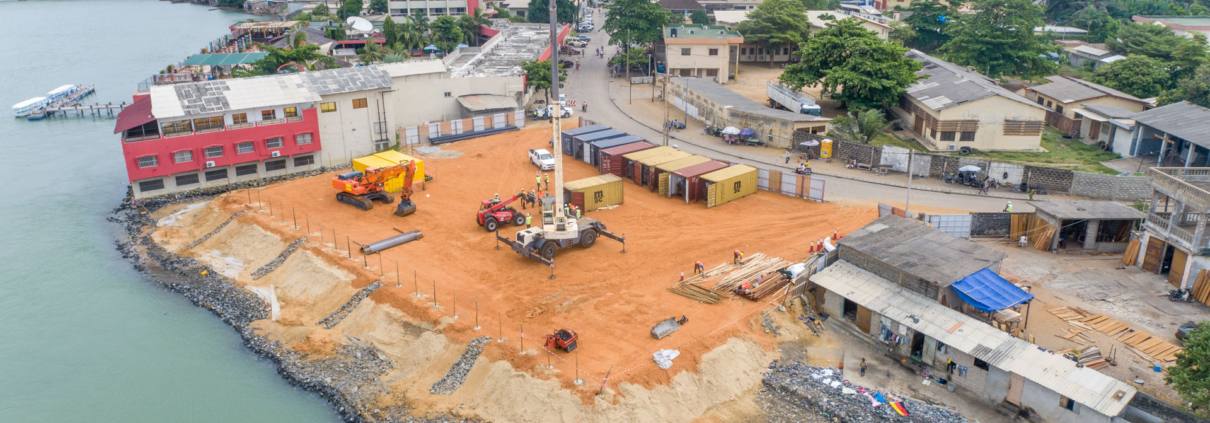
{"type": "Point", "coordinates": [988, 292]}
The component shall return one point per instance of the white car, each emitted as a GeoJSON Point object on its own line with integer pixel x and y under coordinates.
{"type": "Point", "coordinates": [542, 159]}
{"type": "Point", "coordinates": [545, 112]}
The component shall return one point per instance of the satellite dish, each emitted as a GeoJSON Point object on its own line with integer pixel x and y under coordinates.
{"type": "Point", "coordinates": [360, 24]}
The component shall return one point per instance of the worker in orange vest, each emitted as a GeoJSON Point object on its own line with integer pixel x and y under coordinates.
{"type": "Point", "coordinates": [739, 256]}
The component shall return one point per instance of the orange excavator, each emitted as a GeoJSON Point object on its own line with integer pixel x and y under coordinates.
{"type": "Point", "coordinates": [362, 189]}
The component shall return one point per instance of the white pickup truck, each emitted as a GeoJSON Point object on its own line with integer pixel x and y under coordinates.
{"type": "Point", "coordinates": [542, 159]}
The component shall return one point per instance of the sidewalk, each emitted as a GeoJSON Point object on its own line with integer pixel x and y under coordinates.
{"type": "Point", "coordinates": [650, 114]}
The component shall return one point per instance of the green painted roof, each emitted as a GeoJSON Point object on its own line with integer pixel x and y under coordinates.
{"type": "Point", "coordinates": [700, 31]}
{"type": "Point", "coordinates": [223, 59]}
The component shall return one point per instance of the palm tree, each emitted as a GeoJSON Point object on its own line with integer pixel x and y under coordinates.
{"type": "Point", "coordinates": [862, 128]}
{"type": "Point", "coordinates": [372, 52]}
{"type": "Point", "coordinates": [422, 21]}
{"type": "Point", "coordinates": [410, 35]}
{"type": "Point", "coordinates": [471, 23]}
{"type": "Point", "coordinates": [299, 40]}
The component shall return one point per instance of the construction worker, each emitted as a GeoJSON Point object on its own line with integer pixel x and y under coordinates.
{"type": "Point", "coordinates": [521, 196]}
{"type": "Point", "coordinates": [528, 219]}
{"type": "Point", "coordinates": [1008, 207]}
{"type": "Point", "coordinates": [577, 212]}
{"type": "Point", "coordinates": [567, 210]}
{"type": "Point", "coordinates": [739, 256]}
{"type": "Point", "coordinates": [546, 176]}
{"type": "Point", "coordinates": [699, 268]}
{"type": "Point", "coordinates": [532, 197]}
{"type": "Point", "coordinates": [538, 180]}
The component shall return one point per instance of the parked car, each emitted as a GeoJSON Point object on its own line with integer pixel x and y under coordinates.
{"type": "Point", "coordinates": [577, 43]}
{"type": "Point", "coordinates": [567, 64]}
{"type": "Point", "coordinates": [542, 159]}
{"type": "Point", "coordinates": [544, 112]}
{"type": "Point", "coordinates": [583, 38]}
{"type": "Point", "coordinates": [585, 28]}
{"type": "Point", "coordinates": [1184, 330]}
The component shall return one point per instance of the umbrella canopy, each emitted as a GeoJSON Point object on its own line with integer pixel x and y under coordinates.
{"type": "Point", "coordinates": [431, 47]}
{"type": "Point", "coordinates": [809, 143]}
{"type": "Point", "coordinates": [747, 132]}
{"type": "Point", "coordinates": [731, 130]}
{"type": "Point", "coordinates": [461, 45]}
{"type": "Point", "coordinates": [969, 168]}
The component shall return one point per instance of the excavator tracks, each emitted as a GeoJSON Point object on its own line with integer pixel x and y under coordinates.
{"type": "Point", "coordinates": [359, 201]}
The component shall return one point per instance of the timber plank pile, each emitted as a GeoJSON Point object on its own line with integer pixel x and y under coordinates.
{"type": "Point", "coordinates": [1132, 253]}
{"type": "Point", "coordinates": [1140, 342]}
{"type": "Point", "coordinates": [766, 286]}
{"type": "Point", "coordinates": [758, 265]}
{"type": "Point", "coordinates": [1201, 288]}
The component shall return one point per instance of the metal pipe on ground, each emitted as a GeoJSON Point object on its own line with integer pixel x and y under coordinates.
{"type": "Point", "coordinates": [391, 242]}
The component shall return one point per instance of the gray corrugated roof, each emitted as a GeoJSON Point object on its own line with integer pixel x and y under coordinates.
{"type": "Point", "coordinates": [1069, 90]}
{"type": "Point", "coordinates": [345, 80]}
{"type": "Point", "coordinates": [1185, 120]}
{"type": "Point", "coordinates": [314, 36]}
{"type": "Point", "coordinates": [1108, 111]}
{"type": "Point", "coordinates": [969, 335]}
{"type": "Point", "coordinates": [210, 97]}
{"type": "Point", "coordinates": [947, 85]}
{"type": "Point", "coordinates": [681, 5]}
{"type": "Point", "coordinates": [919, 250]}
{"type": "Point", "coordinates": [1088, 210]}
{"type": "Point", "coordinates": [727, 98]}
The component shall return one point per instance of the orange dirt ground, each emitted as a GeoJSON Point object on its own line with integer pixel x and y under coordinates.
{"type": "Point", "coordinates": [611, 299]}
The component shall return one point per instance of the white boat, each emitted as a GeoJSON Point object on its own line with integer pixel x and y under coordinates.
{"type": "Point", "coordinates": [26, 107]}
{"type": "Point", "coordinates": [61, 92]}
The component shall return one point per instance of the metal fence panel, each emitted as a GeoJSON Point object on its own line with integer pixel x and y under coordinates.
{"type": "Point", "coordinates": [498, 121]}
{"type": "Point", "coordinates": [884, 209]}
{"type": "Point", "coordinates": [456, 126]}
{"type": "Point", "coordinates": [478, 120]}
{"type": "Point", "coordinates": [762, 179]}
{"type": "Point", "coordinates": [412, 134]}
{"type": "Point", "coordinates": [958, 225]}
{"type": "Point", "coordinates": [789, 184]}
{"type": "Point", "coordinates": [519, 117]}
{"type": "Point", "coordinates": [817, 190]}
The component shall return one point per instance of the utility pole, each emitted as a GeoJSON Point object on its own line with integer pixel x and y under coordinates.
{"type": "Point", "coordinates": [907, 206]}
{"type": "Point", "coordinates": [665, 109]}
{"type": "Point", "coordinates": [628, 81]}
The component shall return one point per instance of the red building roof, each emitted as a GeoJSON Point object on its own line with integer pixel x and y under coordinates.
{"type": "Point", "coordinates": [135, 115]}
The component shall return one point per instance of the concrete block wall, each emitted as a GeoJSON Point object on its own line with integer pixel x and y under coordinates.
{"type": "Point", "coordinates": [943, 164]}
{"type": "Point", "coordinates": [1054, 180]}
{"type": "Point", "coordinates": [1110, 187]}
{"type": "Point", "coordinates": [861, 152]}
{"type": "Point", "coordinates": [991, 224]}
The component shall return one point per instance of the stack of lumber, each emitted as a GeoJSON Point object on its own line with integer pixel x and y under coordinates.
{"type": "Point", "coordinates": [757, 265]}
{"type": "Point", "coordinates": [1044, 238]}
{"type": "Point", "coordinates": [1104, 324]}
{"type": "Point", "coordinates": [1201, 289]}
{"type": "Point", "coordinates": [1132, 253]}
{"type": "Point", "coordinates": [1090, 357]}
{"type": "Point", "coordinates": [766, 286]}
{"type": "Point", "coordinates": [1145, 345]}
{"type": "Point", "coordinates": [1068, 313]}
{"type": "Point", "coordinates": [695, 292]}
{"type": "Point", "coordinates": [1075, 336]}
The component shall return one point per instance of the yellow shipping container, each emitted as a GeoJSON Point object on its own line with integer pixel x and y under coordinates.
{"type": "Point", "coordinates": [595, 192]}
{"type": "Point", "coordinates": [725, 185]}
{"type": "Point", "coordinates": [387, 159]}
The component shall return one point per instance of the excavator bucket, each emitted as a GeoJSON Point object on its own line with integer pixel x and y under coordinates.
{"type": "Point", "coordinates": [406, 207]}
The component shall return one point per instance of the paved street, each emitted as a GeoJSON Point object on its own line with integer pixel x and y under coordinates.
{"type": "Point", "coordinates": [592, 83]}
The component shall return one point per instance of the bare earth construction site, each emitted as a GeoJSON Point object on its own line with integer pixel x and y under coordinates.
{"type": "Point", "coordinates": [610, 299]}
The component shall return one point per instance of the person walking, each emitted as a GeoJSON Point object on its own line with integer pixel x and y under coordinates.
{"type": "Point", "coordinates": [547, 178]}
{"type": "Point", "coordinates": [1031, 194]}
{"type": "Point", "coordinates": [863, 366]}
{"type": "Point", "coordinates": [787, 156]}
{"type": "Point", "coordinates": [983, 188]}
{"type": "Point", "coordinates": [521, 197]}
{"type": "Point", "coordinates": [1008, 207]}
{"type": "Point", "coordinates": [538, 180]}
{"type": "Point", "coordinates": [528, 218]}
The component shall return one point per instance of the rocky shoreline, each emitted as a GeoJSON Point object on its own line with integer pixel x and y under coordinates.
{"type": "Point", "coordinates": [349, 380]}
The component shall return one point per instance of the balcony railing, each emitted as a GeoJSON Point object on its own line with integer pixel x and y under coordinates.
{"type": "Point", "coordinates": [1182, 231]}
{"type": "Point", "coordinates": [294, 119]}
{"type": "Point", "coordinates": [271, 122]}
{"type": "Point", "coordinates": [142, 138]}
{"type": "Point", "coordinates": [242, 125]}
{"type": "Point", "coordinates": [1176, 183]}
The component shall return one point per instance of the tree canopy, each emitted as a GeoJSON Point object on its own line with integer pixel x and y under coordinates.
{"type": "Point", "coordinates": [929, 20]}
{"type": "Point", "coordinates": [378, 6]}
{"type": "Point", "coordinates": [999, 40]}
{"type": "Point", "coordinates": [320, 9]}
{"type": "Point", "coordinates": [537, 75]}
{"type": "Point", "coordinates": [306, 55]}
{"type": "Point", "coordinates": [862, 127]}
{"type": "Point", "coordinates": [446, 32]}
{"type": "Point", "coordinates": [699, 17]}
{"type": "Point", "coordinates": [1190, 377]}
{"type": "Point", "coordinates": [821, 4]}
{"type": "Point", "coordinates": [1137, 75]}
{"type": "Point", "coordinates": [1101, 26]}
{"type": "Point", "coordinates": [1195, 89]}
{"type": "Point", "coordinates": [774, 24]}
{"type": "Point", "coordinates": [390, 31]}
{"type": "Point", "coordinates": [470, 24]}
{"type": "Point", "coordinates": [351, 8]}
{"type": "Point", "coordinates": [643, 19]}
{"type": "Point", "coordinates": [1183, 54]}
{"type": "Point", "coordinates": [539, 11]}
{"type": "Point", "coordinates": [853, 66]}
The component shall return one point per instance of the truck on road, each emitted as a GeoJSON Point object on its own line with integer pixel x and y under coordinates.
{"type": "Point", "coordinates": [782, 96]}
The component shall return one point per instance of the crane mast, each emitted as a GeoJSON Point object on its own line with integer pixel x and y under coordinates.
{"type": "Point", "coordinates": [560, 225]}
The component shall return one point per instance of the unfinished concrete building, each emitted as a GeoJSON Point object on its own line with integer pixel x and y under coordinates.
{"type": "Point", "coordinates": [1099, 226]}
{"type": "Point", "coordinates": [1174, 240]}
{"type": "Point", "coordinates": [504, 54]}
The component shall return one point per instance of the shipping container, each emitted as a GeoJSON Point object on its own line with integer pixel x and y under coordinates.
{"type": "Point", "coordinates": [568, 134]}
{"type": "Point", "coordinates": [580, 142]}
{"type": "Point", "coordinates": [612, 160]}
{"type": "Point", "coordinates": [645, 168]}
{"type": "Point", "coordinates": [387, 159]}
{"type": "Point", "coordinates": [593, 151]}
{"type": "Point", "coordinates": [725, 185]}
{"type": "Point", "coordinates": [595, 192]}
{"type": "Point", "coordinates": [686, 182]}
{"type": "Point", "coordinates": [659, 174]}
{"type": "Point", "coordinates": [397, 157]}
{"type": "Point", "coordinates": [629, 158]}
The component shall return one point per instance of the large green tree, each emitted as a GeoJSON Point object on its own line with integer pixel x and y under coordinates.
{"type": "Point", "coordinates": [1190, 377]}
{"type": "Point", "coordinates": [446, 32]}
{"type": "Point", "coordinates": [929, 20]}
{"type": "Point", "coordinates": [775, 24]}
{"type": "Point", "coordinates": [537, 75]}
{"type": "Point", "coordinates": [1098, 22]}
{"type": "Point", "coordinates": [351, 8]}
{"type": "Point", "coordinates": [1195, 89]}
{"type": "Point", "coordinates": [1183, 54]}
{"type": "Point", "coordinates": [853, 66]}
{"type": "Point", "coordinates": [821, 4]}
{"type": "Point", "coordinates": [410, 35]}
{"type": "Point", "coordinates": [378, 6]}
{"type": "Point", "coordinates": [999, 39]}
{"type": "Point", "coordinates": [470, 25]}
{"type": "Point", "coordinates": [539, 11]}
{"type": "Point", "coordinates": [320, 10]}
{"type": "Point", "coordinates": [1137, 75]}
{"type": "Point", "coordinates": [640, 21]}
{"type": "Point", "coordinates": [390, 31]}
{"type": "Point", "coordinates": [699, 17]}
{"type": "Point", "coordinates": [862, 127]}
{"type": "Point", "coordinates": [306, 55]}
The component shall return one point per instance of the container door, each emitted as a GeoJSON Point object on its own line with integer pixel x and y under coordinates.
{"type": "Point", "coordinates": [930, 350]}
{"type": "Point", "coordinates": [604, 168]}
{"type": "Point", "coordinates": [577, 199]}
{"type": "Point", "coordinates": [1016, 384]}
{"type": "Point", "coordinates": [1155, 252]}
{"type": "Point", "coordinates": [664, 184]}
{"type": "Point", "coordinates": [711, 194]}
{"type": "Point", "coordinates": [1176, 274]}
{"type": "Point", "coordinates": [637, 172]}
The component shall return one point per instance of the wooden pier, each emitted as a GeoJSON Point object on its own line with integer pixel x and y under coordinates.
{"type": "Point", "coordinates": [81, 110]}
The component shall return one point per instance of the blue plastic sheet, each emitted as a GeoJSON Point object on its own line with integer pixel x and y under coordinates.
{"type": "Point", "coordinates": [988, 292]}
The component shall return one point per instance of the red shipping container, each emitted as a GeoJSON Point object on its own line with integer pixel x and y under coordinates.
{"type": "Point", "coordinates": [612, 160]}
{"type": "Point", "coordinates": [687, 183]}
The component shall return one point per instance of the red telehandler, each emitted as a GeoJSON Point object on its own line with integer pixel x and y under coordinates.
{"type": "Point", "coordinates": [493, 211]}
{"type": "Point", "coordinates": [362, 189]}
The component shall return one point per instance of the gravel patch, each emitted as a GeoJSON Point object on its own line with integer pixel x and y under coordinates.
{"type": "Point", "coordinates": [796, 392]}
{"type": "Point", "coordinates": [281, 258]}
{"type": "Point", "coordinates": [215, 231]}
{"type": "Point", "coordinates": [348, 307]}
{"type": "Point", "coordinates": [453, 379]}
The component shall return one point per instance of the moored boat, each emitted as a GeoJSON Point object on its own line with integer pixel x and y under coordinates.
{"type": "Point", "coordinates": [25, 108]}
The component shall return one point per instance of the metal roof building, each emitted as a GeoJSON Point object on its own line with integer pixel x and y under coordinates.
{"type": "Point", "coordinates": [213, 97]}
{"type": "Point", "coordinates": [947, 85]}
{"type": "Point", "coordinates": [1185, 120]}
{"type": "Point", "coordinates": [915, 248]}
{"type": "Point", "coordinates": [1037, 379]}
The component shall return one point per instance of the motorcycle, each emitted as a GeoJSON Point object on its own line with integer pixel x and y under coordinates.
{"type": "Point", "coordinates": [1178, 295]}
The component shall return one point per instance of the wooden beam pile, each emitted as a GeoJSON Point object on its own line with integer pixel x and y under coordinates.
{"type": "Point", "coordinates": [1043, 241]}
{"type": "Point", "coordinates": [695, 292]}
{"type": "Point", "coordinates": [1132, 253]}
{"type": "Point", "coordinates": [1068, 313]}
{"type": "Point", "coordinates": [757, 265]}
{"type": "Point", "coordinates": [1104, 324]}
{"type": "Point", "coordinates": [768, 285]}
{"type": "Point", "coordinates": [1090, 357]}
{"type": "Point", "coordinates": [1144, 344]}
{"type": "Point", "coordinates": [1201, 288]}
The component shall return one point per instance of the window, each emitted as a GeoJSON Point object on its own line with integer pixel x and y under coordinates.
{"type": "Point", "coordinates": [212, 152]}
{"type": "Point", "coordinates": [934, 131]}
{"type": "Point", "coordinates": [743, 50]}
{"type": "Point", "coordinates": [182, 156]}
{"type": "Point", "coordinates": [359, 103]}
{"type": "Point", "coordinates": [947, 135]}
{"type": "Point", "coordinates": [273, 165]}
{"type": "Point", "coordinates": [982, 364]}
{"type": "Point", "coordinates": [381, 145]}
{"type": "Point", "coordinates": [268, 114]}
{"type": "Point", "coordinates": [967, 136]}
{"type": "Point", "coordinates": [202, 124]}
{"type": "Point", "coordinates": [714, 52]}
{"type": "Point", "coordinates": [1041, 100]}
{"type": "Point", "coordinates": [291, 112]}
{"type": "Point", "coordinates": [248, 169]}
{"type": "Point", "coordinates": [304, 160]}
{"type": "Point", "coordinates": [214, 175]}
{"type": "Point", "coordinates": [148, 161]}
{"type": "Point", "coordinates": [448, 94]}
{"type": "Point", "coordinates": [151, 185]}
{"type": "Point", "coordinates": [327, 107]}
{"type": "Point", "coordinates": [1068, 404]}
{"type": "Point", "coordinates": [785, 50]}
{"type": "Point", "coordinates": [180, 126]}
{"type": "Point", "coordinates": [302, 139]}
{"type": "Point", "coordinates": [244, 148]}
{"type": "Point", "coordinates": [189, 179]}
{"type": "Point", "coordinates": [686, 51]}
{"type": "Point", "coordinates": [239, 118]}
{"type": "Point", "coordinates": [272, 143]}
{"type": "Point", "coordinates": [1059, 109]}
{"type": "Point", "coordinates": [1049, 104]}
